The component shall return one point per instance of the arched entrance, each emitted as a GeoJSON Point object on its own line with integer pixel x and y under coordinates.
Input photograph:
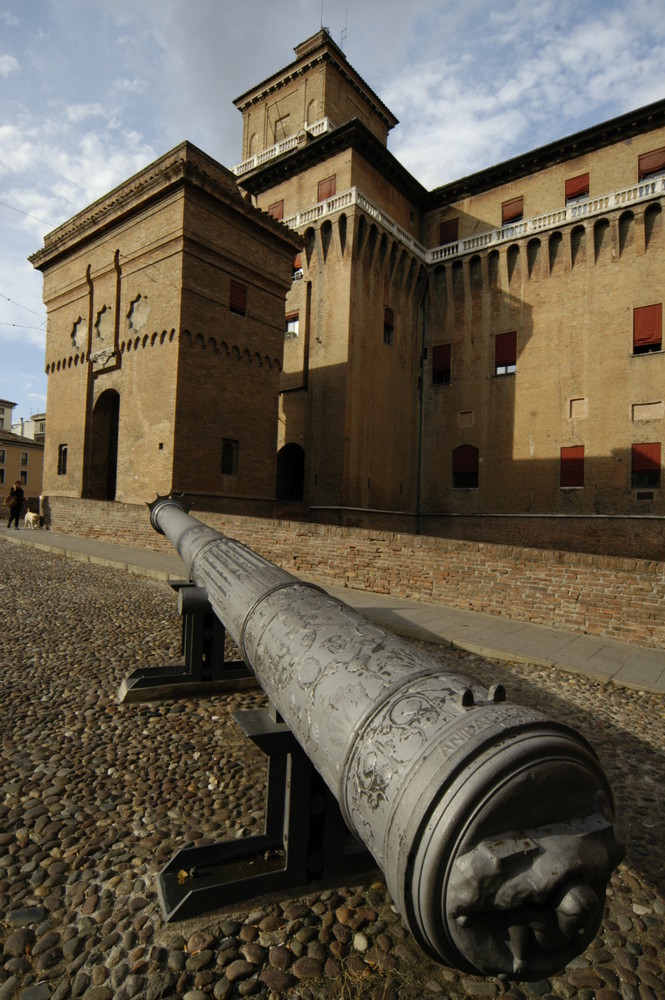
{"type": "Point", "coordinates": [290, 472]}
{"type": "Point", "coordinates": [103, 456]}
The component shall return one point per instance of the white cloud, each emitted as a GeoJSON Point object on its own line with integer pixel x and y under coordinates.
{"type": "Point", "coordinates": [16, 150]}
{"type": "Point", "coordinates": [127, 86]}
{"type": "Point", "coordinates": [77, 113]}
{"type": "Point", "coordinates": [8, 64]}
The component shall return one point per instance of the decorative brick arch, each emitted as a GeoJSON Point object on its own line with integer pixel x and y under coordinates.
{"type": "Point", "coordinates": [102, 452]}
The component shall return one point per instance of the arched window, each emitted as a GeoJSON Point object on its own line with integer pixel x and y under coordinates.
{"type": "Point", "coordinates": [229, 457]}
{"type": "Point", "coordinates": [290, 472]}
{"type": "Point", "coordinates": [465, 467]}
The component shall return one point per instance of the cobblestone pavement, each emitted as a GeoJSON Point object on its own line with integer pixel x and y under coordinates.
{"type": "Point", "coordinates": [96, 796]}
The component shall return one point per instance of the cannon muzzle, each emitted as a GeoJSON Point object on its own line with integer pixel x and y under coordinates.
{"type": "Point", "coordinates": [493, 825]}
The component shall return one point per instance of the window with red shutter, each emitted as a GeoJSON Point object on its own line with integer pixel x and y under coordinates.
{"type": "Point", "coordinates": [651, 163]}
{"type": "Point", "coordinates": [238, 298]}
{"type": "Point", "coordinates": [577, 187]}
{"type": "Point", "coordinates": [448, 231]}
{"type": "Point", "coordinates": [327, 188]}
{"type": "Point", "coordinates": [645, 465]}
{"type": "Point", "coordinates": [572, 466]}
{"type": "Point", "coordinates": [441, 364]}
{"type": "Point", "coordinates": [505, 353]}
{"type": "Point", "coordinates": [277, 210]}
{"type": "Point", "coordinates": [647, 328]}
{"type": "Point", "coordinates": [512, 210]}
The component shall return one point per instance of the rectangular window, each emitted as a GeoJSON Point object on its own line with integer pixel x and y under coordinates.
{"type": "Point", "coordinates": [647, 328]}
{"type": "Point", "coordinates": [512, 210]}
{"type": "Point", "coordinates": [24, 458]}
{"type": "Point", "coordinates": [448, 231]}
{"type": "Point", "coordinates": [388, 326]}
{"type": "Point", "coordinates": [505, 353]}
{"type": "Point", "coordinates": [577, 187]}
{"type": "Point", "coordinates": [229, 457]}
{"type": "Point", "coordinates": [292, 326]}
{"type": "Point", "coordinates": [62, 459]}
{"type": "Point", "coordinates": [238, 298]}
{"type": "Point", "coordinates": [2, 456]}
{"type": "Point", "coordinates": [297, 266]}
{"type": "Point", "coordinates": [2, 476]}
{"type": "Point", "coordinates": [645, 465]}
{"type": "Point", "coordinates": [651, 163]}
{"type": "Point", "coordinates": [327, 188]}
{"type": "Point", "coordinates": [282, 128]}
{"type": "Point", "coordinates": [572, 466]}
{"type": "Point", "coordinates": [441, 364]}
{"type": "Point", "coordinates": [23, 476]}
{"type": "Point", "coordinates": [277, 210]}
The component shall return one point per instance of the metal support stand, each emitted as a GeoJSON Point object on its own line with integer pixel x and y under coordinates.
{"type": "Point", "coordinates": [305, 839]}
{"type": "Point", "coordinates": [205, 671]}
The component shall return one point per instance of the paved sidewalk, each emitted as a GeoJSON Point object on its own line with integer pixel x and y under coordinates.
{"type": "Point", "coordinates": [488, 635]}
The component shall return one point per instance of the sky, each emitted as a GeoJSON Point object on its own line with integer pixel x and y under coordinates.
{"type": "Point", "coordinates": [92, 91]}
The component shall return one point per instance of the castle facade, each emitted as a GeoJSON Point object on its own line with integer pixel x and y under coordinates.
{"type": "Point", "coordinates": [316, 333]}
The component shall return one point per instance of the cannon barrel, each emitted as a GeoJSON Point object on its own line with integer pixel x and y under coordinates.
{"type": "Point", "coordinates": [493, 825]}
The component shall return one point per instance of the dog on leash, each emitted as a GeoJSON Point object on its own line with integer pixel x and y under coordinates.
{"type": "Point", "coordinates": [31, 520]}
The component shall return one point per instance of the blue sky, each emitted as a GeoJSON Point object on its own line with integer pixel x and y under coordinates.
{"type": "Point", "coordinates": [92, 91]}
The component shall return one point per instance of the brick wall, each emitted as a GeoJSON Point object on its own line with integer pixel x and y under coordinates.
{"type": "Point", "coordinates": [599, 595]}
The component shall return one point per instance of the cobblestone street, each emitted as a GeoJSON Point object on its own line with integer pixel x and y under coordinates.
{"type": "Point", "coordinates": [95, 797]}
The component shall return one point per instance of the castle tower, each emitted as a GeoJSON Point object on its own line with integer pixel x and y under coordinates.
{"type": "Point", "coordinates": [165, 305]}
{"type": "Point", "coordinates": [314, 146]}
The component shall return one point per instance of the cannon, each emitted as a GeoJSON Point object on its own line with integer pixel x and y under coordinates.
{"type": "Point", "coordinates": [493, 825]}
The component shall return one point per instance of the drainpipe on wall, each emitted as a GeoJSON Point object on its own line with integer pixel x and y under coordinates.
{"type": "Point", "coordinates": [421, 382]}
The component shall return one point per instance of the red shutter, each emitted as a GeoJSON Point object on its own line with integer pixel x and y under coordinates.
{"type": "Point", "coordinates": [572, 466]}
{"type": "Point", "coordinates": [646, 457]}
{"type": "Point", "coordinates": [465, 459]}
{"type": "Point", "coordinates": [297, 262]}
{"type": "Point", "coordinates": [327, 188]}
{"type": "Point", "coordinates": [512, 210]}
{"type": "Point", "coordinates": [577, 187]}
{"type": "Point", "coordinates": [238, 298]}
{"type": "Point", "coordinates": [648, 325]}
{"type": "Point", "coordinates": [651, 163]}
{"type": "Point", "coordinates": [505, 347]}
{"type": "Point", "coordinates": [277, 210]}
{"type": "Point", "coordinates": [441, 358]}
{"type": "Point", "coordinates": [448, 231]}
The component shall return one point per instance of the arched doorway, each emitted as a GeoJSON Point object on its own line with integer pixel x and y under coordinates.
{"type": "Point", "coordinates": [290, 472]}
{"type": "Point", "coordinates": [103, 457]}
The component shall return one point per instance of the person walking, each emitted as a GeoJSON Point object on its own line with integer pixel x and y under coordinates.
{"type": "Point", "coordinates": [17, 496]}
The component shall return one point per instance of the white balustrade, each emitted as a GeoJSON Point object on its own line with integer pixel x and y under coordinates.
{"type": "Point", "coordinates": [537, 224]}
{"type": "Point", "coordinates": [318, 128]}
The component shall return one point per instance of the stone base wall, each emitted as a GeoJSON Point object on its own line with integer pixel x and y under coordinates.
{"type": "Point", "coordinates": [623, 598]}
{"type": "Point", "coordinates": [635, 537]}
